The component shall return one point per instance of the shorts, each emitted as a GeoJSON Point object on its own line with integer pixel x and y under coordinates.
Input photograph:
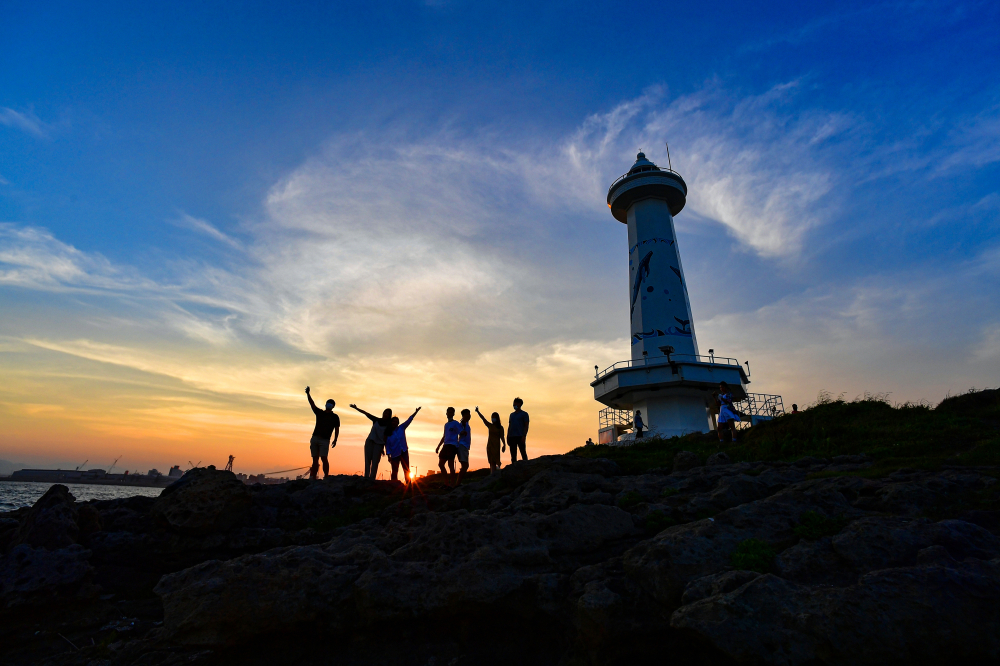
{"type": "Point", "coordinates": [448, 452]}
{"type": "Point", "coordinates": [319, 448]}
{"type": "Point", "coordinates": [463, 455]}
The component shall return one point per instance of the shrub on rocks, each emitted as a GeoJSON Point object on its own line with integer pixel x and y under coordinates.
{"type": "Point", "coordinates": [754, 555]}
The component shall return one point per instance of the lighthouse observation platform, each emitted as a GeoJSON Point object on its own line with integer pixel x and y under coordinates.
{"type": "Point", "coordinates": [627, 382]}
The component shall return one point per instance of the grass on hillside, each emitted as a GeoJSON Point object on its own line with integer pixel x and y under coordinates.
{"type": "Point", "coordinates": [963, 430]}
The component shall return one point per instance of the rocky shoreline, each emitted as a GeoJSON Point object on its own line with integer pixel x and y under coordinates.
{"type": "Point", "coordinates": [557, 560]}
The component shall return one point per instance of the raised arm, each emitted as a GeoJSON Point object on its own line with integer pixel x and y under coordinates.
{"type": "Point", "coordinates": [404, 424]}
{"type": "Point", "coordinates": [311, 403]}
{"type": "Point", "coordinates": [372, 417]}
{"type": "Point", "coordinates": [527, 423]}
{"type": "Point", "coordinates": [485, 422]}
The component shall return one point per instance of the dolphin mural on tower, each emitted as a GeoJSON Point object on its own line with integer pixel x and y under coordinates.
{"type": "Point", "coordinates": [641, 273]}
{"type": "Point", "coordinates": [678, 274]}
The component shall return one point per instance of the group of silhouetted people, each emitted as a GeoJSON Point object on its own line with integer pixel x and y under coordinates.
{"type": "Point", "coordinates": [388, 437]}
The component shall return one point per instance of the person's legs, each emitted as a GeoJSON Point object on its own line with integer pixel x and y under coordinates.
{"type": "Point", "coordinates": [376, 459]}
{"type": "Point", "coordinates": [515, 442]}
{"type": "Point", "coordinates": [404, 458]}
{"type": "Point", "coordinates": [523, 446]}
{"type": "Point", "coordinates": [732, 425]}
{"type": "Point", "coordinates": [368, 459]}
{"type": "Point", "coordinates": [394, 463]}
{"type": "Point", "coordinates": [326, 466]}
{"type": "Point", "coordinates": [315, 468]}
{"type": "Point", "coordinates": [463, 459]}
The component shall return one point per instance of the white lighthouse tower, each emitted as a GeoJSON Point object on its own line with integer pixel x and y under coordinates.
{"type": "Point", "coordinates": [666, 378]}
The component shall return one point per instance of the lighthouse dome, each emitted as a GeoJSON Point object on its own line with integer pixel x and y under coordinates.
{"type": "Point", "coordinates": [642, 164]}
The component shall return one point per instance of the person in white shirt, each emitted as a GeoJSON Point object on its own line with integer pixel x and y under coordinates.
{"type": "Point", "coordinates": [447, 448]}
{"type": "Point", "coordinates": [375, 444]}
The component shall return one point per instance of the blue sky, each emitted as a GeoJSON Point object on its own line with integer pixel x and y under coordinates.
{"type": "Point", "coordinates": [204, 207]}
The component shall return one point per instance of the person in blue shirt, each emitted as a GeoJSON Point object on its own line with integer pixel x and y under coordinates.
{"type": "Point", "coordinates": [639, 425]}
{"type": "Point", "coordinates": [447, 448]}
{"type": "Point", "coordinates": [464, 445]}
{"type": "Point", "coordinates": [396, 448]}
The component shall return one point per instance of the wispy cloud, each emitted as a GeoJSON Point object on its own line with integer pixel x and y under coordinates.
{"type": "Point", "coordinates": [205, 227]}
{"type": "Point", "coordinates": [25, 121]}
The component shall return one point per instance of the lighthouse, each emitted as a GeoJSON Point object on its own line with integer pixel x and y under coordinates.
{"type": "Point", "coordinates": [666, 378]}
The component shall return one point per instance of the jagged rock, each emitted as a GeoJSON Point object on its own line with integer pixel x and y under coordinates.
{"type": "Point", "coordinates": [719, 583]}
{"type": "Point", "coordinates": [203, 501]}
{"type": "Point", "coordinates": [685, 460]}
{"type": "Point", "coordinates": [32, 577]}
{"type": "Point", "coordinates": [719, 458]}
{"type": "Point", "coordinates": [923, 614]}
{"type": "Point", "coordinates": [584, 527]}
{"type": "Point", "coordinates": [52, 521]}
{"type": "Point", "coordinates": [665, 564]}
{"type": "Point", "coordinates": [558, 548]}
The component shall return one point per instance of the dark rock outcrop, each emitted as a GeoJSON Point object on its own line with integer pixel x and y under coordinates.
{"type": "Point", "coordinates": [203, 502]}
{"type": "Point", "coordinates": [685, 460]}
{"type": "Point", "coordinates": [924, 614]}
{"type": "Point", "coordinates": [569, 559]}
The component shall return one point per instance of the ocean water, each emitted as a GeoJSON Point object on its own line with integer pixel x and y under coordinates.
{"type": "Point", "coordinates": [15, 494]}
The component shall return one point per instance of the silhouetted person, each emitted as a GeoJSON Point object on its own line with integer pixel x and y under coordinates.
{"type": "Point", "coordinates": [395, 446]}
{"type": "Point", "coordinates": [375, 444]}
{"type": "Point", "coordinates": [728, 417]}
{"type": "Point", "coordinates": [590, 442]}
{"type": "Point", "coordinates": [639, 425]}
{"type": "Point", "coordinates": [517, 431]}
{"type": "Point", "coordinates": [327, 425]}
{"type": "Point", "coordinates": [795, 408]}
{"type": "Point", "coordinates": [447, 448]}
{"type": "Point", "coordinates": [495, 440]}
{"type": "Point", "coordinates": [464, 446]}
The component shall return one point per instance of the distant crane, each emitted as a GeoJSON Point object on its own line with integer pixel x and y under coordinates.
{"type": "Point", "coordinates": [229, 465]}
{"type": "Point", "coordinates": [113, 465]}
{"type": "Point", "coordinates": [82, 464]}
{"type": "Point", "coordinates": [192, 464]}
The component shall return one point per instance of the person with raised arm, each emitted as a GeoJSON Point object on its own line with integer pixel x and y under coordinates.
{"type": "Point", "coordinates": [396, 448]}
{"type": "Point", "coordinates": [327, 425]}
{"type": "Point", "coordinates": [494, 441]}
{"type": "Point", "coordinates": [375, 444]}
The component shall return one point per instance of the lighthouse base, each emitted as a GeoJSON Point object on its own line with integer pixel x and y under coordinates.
{"type": "Point", "coordinates": [674, 415]}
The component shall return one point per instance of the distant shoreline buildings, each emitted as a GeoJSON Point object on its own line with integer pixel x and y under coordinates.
{"type": "Point", "coordinates": [151, 479]}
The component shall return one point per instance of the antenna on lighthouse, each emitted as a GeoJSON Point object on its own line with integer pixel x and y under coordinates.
{"type": "Point", "coordinates": [669, 165]}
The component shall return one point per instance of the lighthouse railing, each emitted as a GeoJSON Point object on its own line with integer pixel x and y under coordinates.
{"type": "Point", "coordinates": [648, 169]}
{"type": "Point", "coordinates": [666, 360]}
